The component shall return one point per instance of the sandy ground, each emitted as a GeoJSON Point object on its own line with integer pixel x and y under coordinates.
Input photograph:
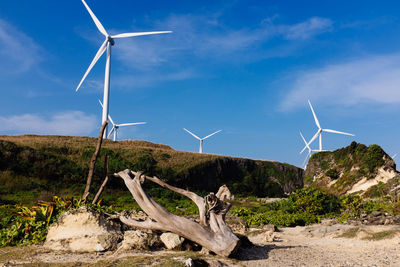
{"type": "Point", "coordinates": [320, 246]}
{"type": "Point", "coordinates": [316, 245]}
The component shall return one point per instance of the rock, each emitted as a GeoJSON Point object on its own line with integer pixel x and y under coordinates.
{"type": "Point", "coordinates": [266, 234]}
{"type": "Point", "coordinates": [172, 241]}
{"type": "Point", "coordinates": [189, 262]}
{"type": "Point", "coordinates": [83, 230]}
{"type": "Point", "coordinates": [138, 239]}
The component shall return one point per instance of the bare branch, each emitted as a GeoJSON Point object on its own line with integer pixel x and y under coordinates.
{"type": "Point", "coordinates": [199, 201]}
{"type": "Point", "coordinates": [93, 162]}
{"type": "Point", "coordinates": [103, 185]}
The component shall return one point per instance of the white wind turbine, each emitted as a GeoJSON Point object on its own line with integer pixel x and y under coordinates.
{"type": "Point", "coordinates": [116, 126]}
{"type": "Point", "coordinates": [320, 130]}
{"type": "Point", "coordinates": [108, 42]}
{"type": "Point", "coordinates": [309, 150]}
{"type": "Point", "coordinates": [201, 139]}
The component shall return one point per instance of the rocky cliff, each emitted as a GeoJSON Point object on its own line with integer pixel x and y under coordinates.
{"type": "Point", "coordinates": [354, 169]}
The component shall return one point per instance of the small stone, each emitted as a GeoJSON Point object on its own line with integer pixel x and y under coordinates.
{"type": "Point", "coordinates": [172, 241]}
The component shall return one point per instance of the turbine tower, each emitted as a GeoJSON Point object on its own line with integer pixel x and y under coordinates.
{"type": "Point", "coordinates": [201, 139]}
{"type": "Point", "coordinates": [115, 127]}
{"type": "Point", "coordinates": [108, 42]}
{"type": "Point", "coordinates": [320, 130]}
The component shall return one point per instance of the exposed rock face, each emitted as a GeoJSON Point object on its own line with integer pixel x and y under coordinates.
{"type": "Point", "coordinates": [172, 241]}
{"type": "Point", "coordinates": [83, 229]}
{"type": "Point", "coordinates": [255, 177]}
{"type": "Point", "coordinates": [379, 218]}
{"type": "Point", "coordinates": [354, 169]}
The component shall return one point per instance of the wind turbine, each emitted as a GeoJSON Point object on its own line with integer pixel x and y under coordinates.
{"type": "Point", "coordinates": [201, 139]}
{"type": "Point", "coordinates": [320, 130]}
{"type": "Point", "coordinates": [116, 126]}
{"type": "Point", "coordinates": [309, 150]}
{"type": "Point", "coordinates": [394, 156]}
{"type": "Point", "coordinates": [106, 45]}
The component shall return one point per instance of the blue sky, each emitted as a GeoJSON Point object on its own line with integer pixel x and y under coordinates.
{"type": "Point", "coordinates": [246, 67]}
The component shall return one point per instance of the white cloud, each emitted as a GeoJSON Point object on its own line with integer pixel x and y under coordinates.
{"type": "Point", "coordinates": [308, 28]}
{"type": "Point", "coordinates": [65, 123]}
{"type": "Point", "coordinates": [372, 79]}
{"type": "Point", "coordinates": [18, 52]}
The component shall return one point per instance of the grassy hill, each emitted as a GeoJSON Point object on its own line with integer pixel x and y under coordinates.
{"type": "Point", "coordinates": [35, 167]}
{"type": "Point", "coordinates": [356, 168]}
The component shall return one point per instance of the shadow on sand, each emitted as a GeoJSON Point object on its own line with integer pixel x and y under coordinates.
{"type": "Point", "coordinates": [249, 251]}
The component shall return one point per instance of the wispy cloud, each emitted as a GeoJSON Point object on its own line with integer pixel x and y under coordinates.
{"type": "Point", "coordinates": [372, 79]}
{"type": "Point", "coordinates": [308, 28]}
{"type": "Point", "coordinates": [205, 37]}
{"type": "Point", "coordinates": [199, 38]}
{"type": "Point", "coordinates": [64, 123]}
{"type": "Point", "coordinates": [17, 50]}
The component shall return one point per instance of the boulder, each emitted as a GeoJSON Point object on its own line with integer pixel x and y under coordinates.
{"type": "Point", "coordinates": [83, 230]}
{"type": "Point", "coordinates": [172, 241]}
{"type": "Point", "coordinates": [138, 239]}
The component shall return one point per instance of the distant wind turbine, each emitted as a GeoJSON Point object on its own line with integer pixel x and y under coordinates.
{"type": "Point", "coordinates": [394, 156]}
{"type": "Point", "coordinates": [201, 139]}
{"type": "Point", "coordinates": [108, 42]}
{"type": "Point", "coordinates": [115, 127]}
{"type": "Point", "coordinates": [320, 130]}
{"type": "Point", "coordinates": [309, 150]}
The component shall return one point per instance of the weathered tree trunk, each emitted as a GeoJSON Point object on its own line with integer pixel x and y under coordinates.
{"type": "Point", "coordinates": [212, 232]}
{"type": "Point", "coordinates": [93, 162]}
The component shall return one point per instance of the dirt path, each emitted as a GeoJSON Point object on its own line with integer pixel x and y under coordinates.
{"type": "Point", "coordinates": [316, 245]}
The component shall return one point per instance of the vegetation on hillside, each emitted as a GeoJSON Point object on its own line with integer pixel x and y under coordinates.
{"type": "Point", "coordinates": [33, 167]}
{"type": "Point", "coordinates": [346, 166]}
{"type": "Point", "coordinates": [311, 205]}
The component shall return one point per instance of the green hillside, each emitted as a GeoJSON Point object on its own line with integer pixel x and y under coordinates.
{"type": "Point", "coordinates": [354, 168]}
{"type": "Point", "coordinates": [36, 167]}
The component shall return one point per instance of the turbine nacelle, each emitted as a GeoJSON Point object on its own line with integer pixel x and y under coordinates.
{"type": "Point", "coordinates": [110, 40]}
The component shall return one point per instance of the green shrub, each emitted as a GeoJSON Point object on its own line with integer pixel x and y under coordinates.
{"type": "Point", "coordinates": [26, 225]}
{"type": "Point", "coordinates": [332, 173]}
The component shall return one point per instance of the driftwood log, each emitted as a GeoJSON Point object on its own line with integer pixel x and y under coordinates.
{"type": "Point", "coordinates": [211, 232]}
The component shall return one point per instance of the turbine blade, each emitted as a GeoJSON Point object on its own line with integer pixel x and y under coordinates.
{"type": "Point", "coordinates": [133, 34]}
{"type": "Point", "coordinates": [109, 117]}
{"type": "Point", "coordinates": [211, 134]}
{"type": "Point", "coordinates": [132, 123]}
{"type": "Point", "coordinates": [312, 140]}
{"type": "Point", "coordinates": [112, 130]}
{"type": "Point", "coordinates": [305, 142]}
{"type": "Point", "coordinates": [315, 116]}
{"type": "Point", "coordinates": [95, 19]}
{"type": "Point", "coordinates": [111, 120]}
{"type": "Point", "coordinates": [96, 57]}
{"type": "Point", "coordinates": [333, 131]}
{"type": "Point", "coordinates": [305, 160]}
{"type": "Point", "coordinates": [195, 136]}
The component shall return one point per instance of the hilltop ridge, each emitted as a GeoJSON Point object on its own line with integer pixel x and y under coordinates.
{"type": "Point", "coordinates": [57, 164]}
